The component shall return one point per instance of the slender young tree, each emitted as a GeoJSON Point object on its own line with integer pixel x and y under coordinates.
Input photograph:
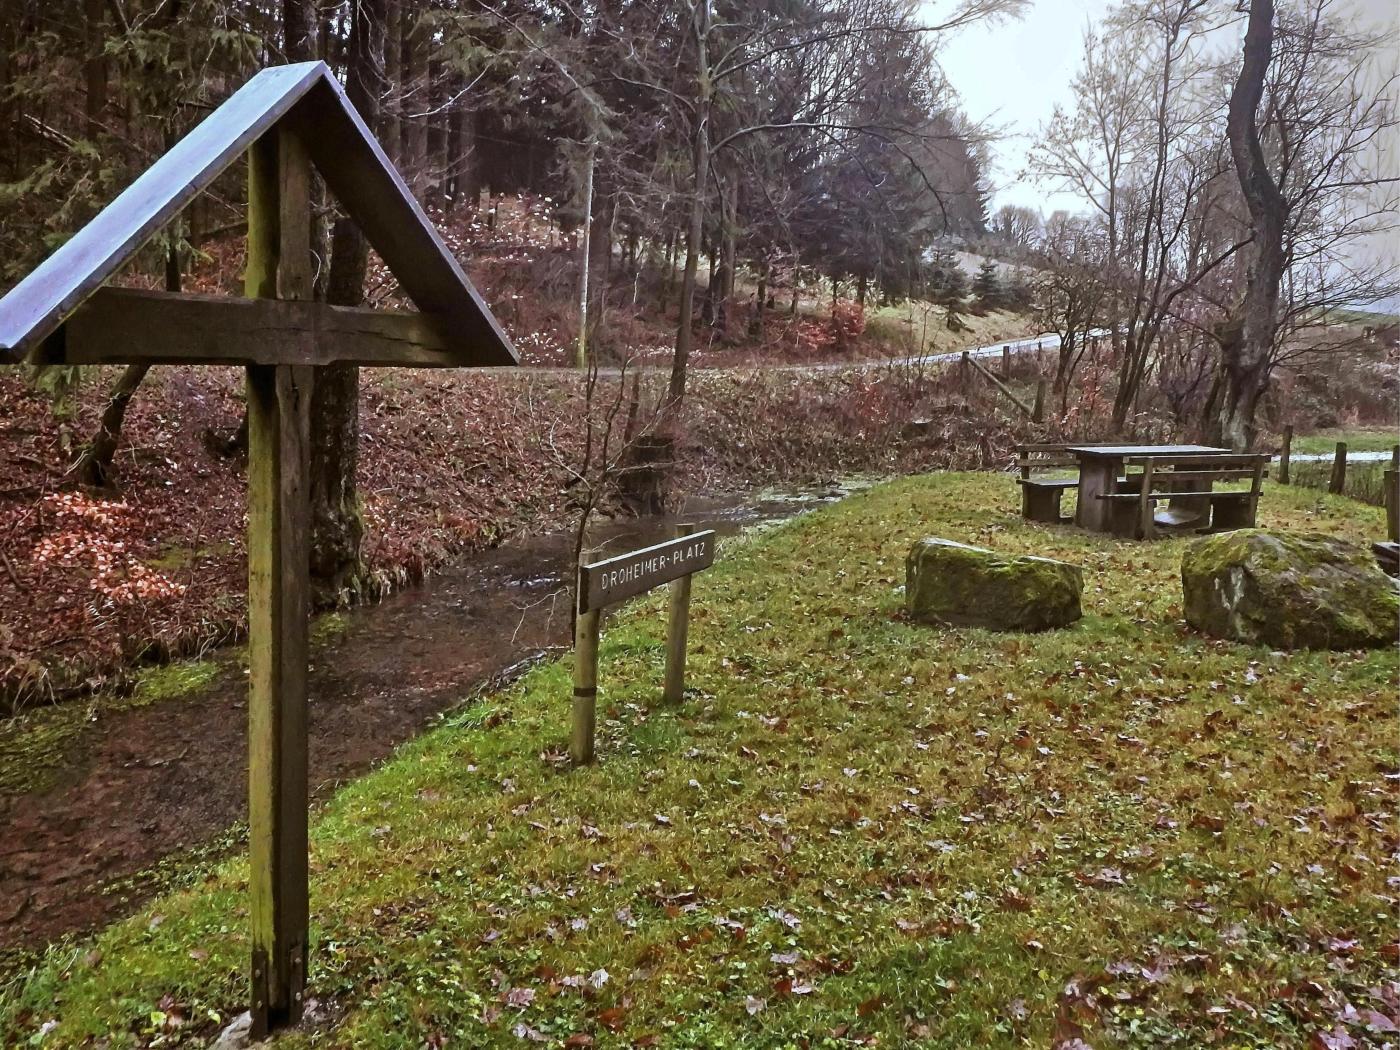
{"type": "Point", "coordinates": [337, 528]}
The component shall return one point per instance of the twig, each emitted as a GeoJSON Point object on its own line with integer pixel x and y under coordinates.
{"type": "Point", "coordinates": [10, 568]}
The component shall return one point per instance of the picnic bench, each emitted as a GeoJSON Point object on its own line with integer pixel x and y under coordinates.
{"type": "Point", "coordinates": [1041, 497]}
{"type": "Point", "coordinates": [1186, 483]}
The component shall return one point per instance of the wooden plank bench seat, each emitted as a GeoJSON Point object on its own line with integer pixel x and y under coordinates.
{"type": "Point", "coordinates": [1186, 484]}
{"type": "Point", "coordinates": [1041, 497]}
{"type": "Point", "coordinates": [1387, 556]}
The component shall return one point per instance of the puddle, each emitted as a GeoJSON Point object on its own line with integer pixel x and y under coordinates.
{"type": "Point", "coordinates": [145, 783]}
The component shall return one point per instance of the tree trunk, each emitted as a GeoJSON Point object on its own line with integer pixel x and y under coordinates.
{"type": "Point", "coordinates": [729, 237]}
{"type": "Point", "coordinates": [712, 286]}
{"type": "Point", "coordinates": [337, 528]}
{"type": "Point", "coordinates": [298, 41]}
{"type": "Point", "coordinates": [760, 302]}
{"type": "Point", "coordinates": [390, 131]}
{"type": "Point", "coordinates": [585, 258]}
{"type": "Point", "coordinates": [469, 178]}
{"type": "Point", "coordinates": [700, 164]}
{"type": "Point", "coordinates": [437, 132]}
{"type": "Point", "coordinates": [413, 128]}
{"type": "Point", "coordinates": [601, 252]}
{"type": "Point", "coordinates": [668, 273]}
{"type": "Point", "coordinates": [454, 161]}
{"type": "Point", "coordinates": [1246, 362]}
{"type": "Point", "coordinates": [95, 65]}
{"type": "Point", "coordinates": [94, 466]}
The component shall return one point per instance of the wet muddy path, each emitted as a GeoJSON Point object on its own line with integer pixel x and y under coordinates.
{"type": "Point", "coordinates": [139, 785]}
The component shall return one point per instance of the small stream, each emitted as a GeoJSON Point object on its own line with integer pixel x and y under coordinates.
{"type": "Point", "coordinates": [139, 785]}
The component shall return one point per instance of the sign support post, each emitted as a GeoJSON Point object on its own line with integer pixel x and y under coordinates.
{"type": "Point", "coordinates": [287, 119]}
{"type": "Point", "coordinates": [677, 630]}
{"type": "Point", "coordinates": [585, 685]}
{"type": "Point", "coordinates": [615, 580]}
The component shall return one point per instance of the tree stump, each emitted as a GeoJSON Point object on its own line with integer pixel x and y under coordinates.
{"type": "Point", "coordinates": [644, 483]}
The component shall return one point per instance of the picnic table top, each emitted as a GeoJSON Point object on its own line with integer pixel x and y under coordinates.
{"type": "Point", "coordinates": [1124, 451]}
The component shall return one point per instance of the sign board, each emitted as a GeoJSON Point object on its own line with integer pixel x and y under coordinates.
{"type": "Point", "coordinates": [617, 579]}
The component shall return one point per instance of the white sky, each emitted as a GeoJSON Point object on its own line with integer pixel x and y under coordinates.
{"type": "Point", "coordinates": [1013, 74]}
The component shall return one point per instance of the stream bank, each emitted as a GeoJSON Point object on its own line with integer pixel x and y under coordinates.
{"type": "Point", "coordinates": [134, 792]}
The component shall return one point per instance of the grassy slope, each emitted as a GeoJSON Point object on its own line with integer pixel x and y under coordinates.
{"type": "Point", "coordinates": [1365, 439]}
{"type": "Point", "coordinates": [917, 322]}
{"type": "Point", "coordinates": [936, 832]}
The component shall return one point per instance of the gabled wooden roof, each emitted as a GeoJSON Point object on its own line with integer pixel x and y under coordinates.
{"type": "Point", "coordinates": [307, 97]}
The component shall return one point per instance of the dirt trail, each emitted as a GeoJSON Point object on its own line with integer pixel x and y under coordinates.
{"type": "Point", "coordinates": [144, 783]}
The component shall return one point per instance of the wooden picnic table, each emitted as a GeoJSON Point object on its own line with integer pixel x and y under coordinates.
{"type": "Point", "coordinates": [1101, 466]}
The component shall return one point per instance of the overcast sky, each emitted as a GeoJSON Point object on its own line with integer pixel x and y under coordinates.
{"type": "Point", "coordinates": [1013, 75]}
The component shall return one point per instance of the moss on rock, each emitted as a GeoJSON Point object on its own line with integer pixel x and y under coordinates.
{"type": "Point", "coordinates": [953, 583]}
{"type": "Point", "coordinates": [1289, 591]}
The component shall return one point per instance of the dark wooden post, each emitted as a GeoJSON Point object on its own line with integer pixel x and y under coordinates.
{"type": "Point", "coordinates": [1038, 412]}
{"type": "Point", "coordinates": [279, 400]}
{"type": "Point", "coordinates": [1006, 364]}
{"type": "Point", "coordinates": [1392, 505]}
{"type": "Point", "coordinates": [677, 629]}
{"type": "Point", "coordinates": [1339, 469]}
{"type": "Point", "coordinates": [1284, 454]}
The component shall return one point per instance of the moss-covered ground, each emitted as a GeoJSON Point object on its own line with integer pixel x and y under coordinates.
{"type": "Point", "coordinates": [854, 829]}
{"type": "Point", "coordinates": [36, 744]}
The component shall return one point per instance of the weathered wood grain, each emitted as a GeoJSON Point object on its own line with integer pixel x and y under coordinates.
{"type": "Point", "coordinates": [586, 629]}
{"type": "Point", "coordinates": [677, 632]}
{"type": "Point", "coordinates": [617, 579]}
{"type": "Point", "coordinates": [37, 305]}
{"type": "Point", "coordinates": [371, 190]}
{"type": "Point", "coordinates": [124, 326]}
{"type": "Point", "coordinates": [279, 425]}
{"type": "Point", "coordinates": [306, 100]}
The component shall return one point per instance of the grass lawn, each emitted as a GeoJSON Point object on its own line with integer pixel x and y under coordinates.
{"type": "Point", "coordinates": [855, 828]}
{"type": "Point", "coordinates": [1363, 439]}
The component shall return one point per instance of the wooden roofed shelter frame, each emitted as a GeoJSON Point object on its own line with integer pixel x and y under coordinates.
{"type": "Point", "coordinates": [287, 119]}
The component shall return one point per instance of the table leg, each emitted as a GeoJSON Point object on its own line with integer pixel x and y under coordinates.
{"type": "Point", "coordinates": [1095, 476]}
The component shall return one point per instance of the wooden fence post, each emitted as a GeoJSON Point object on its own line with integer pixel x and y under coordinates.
{"type": "Point", "coordinates": [586, 628]}
{"type": "Point", "coordinates": [1391, 499]}
{"type": "Point", "coordinates": [677, 629]}
{"type": "Point", "coordinates": [1284, 454]}
{"type": "Point", "coordinates": [1006, 364]}
{"type": "Point", "coordinates": [279, 413]}
{"type": "Point", "coordinates": [1339, 470]}
{"type": "Point", "coordinates": [1038, 412]}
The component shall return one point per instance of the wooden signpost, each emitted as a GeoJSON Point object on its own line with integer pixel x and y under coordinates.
{"type": "Point", "coordinates": [615, 580]}
{"type": "Point", "coordinates": [287, 120]}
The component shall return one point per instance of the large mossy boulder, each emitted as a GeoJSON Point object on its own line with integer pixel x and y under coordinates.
{"type": "Point", "coordinates": [951, 583]}
{"type": "Point", "coordinates": [1289, 591]}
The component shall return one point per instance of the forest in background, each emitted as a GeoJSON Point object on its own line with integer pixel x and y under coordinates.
{"type": "Point", "coordinates": [658, 183]}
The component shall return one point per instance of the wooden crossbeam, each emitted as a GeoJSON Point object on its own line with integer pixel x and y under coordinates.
{"type": "Point", "coordinates": [124, 326]}
{"type": "Point", "coordinates": [307, 100]}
